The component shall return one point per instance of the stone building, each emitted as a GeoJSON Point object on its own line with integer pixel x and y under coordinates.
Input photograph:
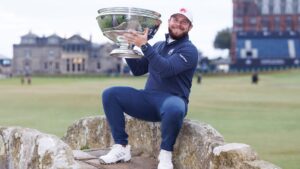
{"type": "Point", "coordinates": [54, 55]}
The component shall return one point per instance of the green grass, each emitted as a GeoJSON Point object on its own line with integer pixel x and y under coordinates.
{"type": "Point", "coordinates": [265, 116]}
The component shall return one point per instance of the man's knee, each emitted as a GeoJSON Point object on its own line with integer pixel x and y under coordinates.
{"type": "Point", "coordinates": [109, 93]}
{"type": "Point", "coordinates": [174, 108]}
{"type": "Point", "coordinates": [174, 114]}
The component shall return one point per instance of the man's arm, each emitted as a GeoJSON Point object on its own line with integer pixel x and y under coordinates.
{"type": "Point", "coordinates": [138, 66]}
{"type": "Point", "coordinates": [184, 59]}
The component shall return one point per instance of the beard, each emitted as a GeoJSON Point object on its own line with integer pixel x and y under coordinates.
{"type": "Point", "coordinates": [177, 37]}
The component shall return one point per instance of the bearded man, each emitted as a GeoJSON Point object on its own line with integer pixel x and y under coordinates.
{"type": "Point", "coordinates": [170, 65]}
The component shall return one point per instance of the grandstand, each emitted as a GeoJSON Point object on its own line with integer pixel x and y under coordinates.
{"type": "Point", "coordinates": [266, 35]}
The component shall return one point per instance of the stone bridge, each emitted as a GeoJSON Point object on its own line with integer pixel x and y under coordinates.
{"type": "Point", "coordinates": [199, 146]}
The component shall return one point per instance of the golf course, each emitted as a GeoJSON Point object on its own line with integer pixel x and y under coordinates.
{"type": "Point", "coordinates": [265, 116]}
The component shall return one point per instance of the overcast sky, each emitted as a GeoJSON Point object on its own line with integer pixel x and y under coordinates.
{"type": "Point", "coordinates": [69, 17]}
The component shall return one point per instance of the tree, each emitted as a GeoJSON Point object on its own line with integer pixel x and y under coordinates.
{"type": "Point", "coordinates": [223, 39]}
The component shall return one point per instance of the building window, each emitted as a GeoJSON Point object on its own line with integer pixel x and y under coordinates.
{"type": "Point", "coordinates": [238, 21]}
{"type": "Point", "coordinates": [277, 24]}
{"type": "Point", "coordinates": [45, 65]}
{"type": "Point", "coordinates": [288, 23]}
{"type": "Point", "coordinates": [238, 29]}
{"type": "Point", "coordinates": [259, 5]}
{"type": "Point", "coordinates": [50, 65]}
{"type": "Point", "coordinates": [73, 67]}
{"type": "Point", "coordinates": [271, 8]}
{"type": "Point", "coordinates": [57, 66]}
{"type": "Point", "coordinates": [295, 6]}
{"type": "Point", "coordinates": [68, 65]}
{"type": "Point", "coordinates": [239, 11]}
{"type": "Point", "coordinates": [251, 10]}
{"type": "Point", "coordinates": [253, 20]}
{"type": "Point", "coordinates": [83, 64]}
{"type": "Point", "coordinates": [78, 47]}
{"type": "Point", "coordinates": [27, 54]}
{"type": "Point", "coordinates": [78, 67]}
{"type": "Point", "coordinates": [283, 6]}
{"type": "Point", "coordinates": [265, 23]}
{"type": "Point", "coordinates": [98, 65]}
{"type": "Point", "coordinates": [298, 25]}
{"type": "Point", "coordinates": [50, 53]}
{"type": "Point", "coordinates": [53, 40]}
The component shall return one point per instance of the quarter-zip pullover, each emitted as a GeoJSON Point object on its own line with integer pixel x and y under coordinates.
{"type": "Point", "coordinates": [170, 66]}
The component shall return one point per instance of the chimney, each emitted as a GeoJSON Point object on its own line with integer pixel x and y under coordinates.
{"type": "Point", "coordinates": [91, 38]}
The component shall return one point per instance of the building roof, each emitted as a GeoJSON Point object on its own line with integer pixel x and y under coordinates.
{"type": "Point", "coordinates": [30, 35]}
{"type": "Point", "coordinates": [76, 39]}
{"type": "Point", "coordinates": [54, 36]}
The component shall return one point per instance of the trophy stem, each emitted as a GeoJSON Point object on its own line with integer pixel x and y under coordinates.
{"type": "Point", "coordinates": [126, 53]}
{"type": "Point", "coordinates": [125, 50]}
{"type": "Point", "coordinates": [125, 46]}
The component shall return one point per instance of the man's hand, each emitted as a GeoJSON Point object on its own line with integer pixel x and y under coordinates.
{"type": "Point", "coordinates": [136, 38]}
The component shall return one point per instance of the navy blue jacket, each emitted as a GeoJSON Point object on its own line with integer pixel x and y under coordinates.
{"type": "Point", "coordinates": [170, 66]}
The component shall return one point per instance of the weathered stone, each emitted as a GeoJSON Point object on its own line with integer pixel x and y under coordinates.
{"type": "Point", "coordinates": [232, 156]}
{"type": "Point", "coordinates": [144, 137]}
{"type": "Point", "coordinates": [90, 132]}
{"type": "Point", "coordinates": [81, 155]}
{"type": "Point", "coordinates": [259, 164]}
{"type": "Point", "coordinates": [3, 163]}
{"type": "Point", "coordinates": [84, 165]}
{"type": "Point", "coordinates": [28, 148]}
{"type": "Point", "coordinates": [135, 163]}
{"type": "Point", "coordinates": [199, 146]}
{"type": "Point", "coordinates": [193, 149]}
{"type": "Point", "coordinates": [90, 158]}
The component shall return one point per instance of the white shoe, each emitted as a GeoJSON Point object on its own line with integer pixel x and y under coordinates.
{"type": "Point", "coordinates": [118, 153]}
{"type": "Point", "coordinates": [165, 160]}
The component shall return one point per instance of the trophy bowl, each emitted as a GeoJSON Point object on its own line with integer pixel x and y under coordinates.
{"type": "Point", "coordinates": [116, 21]}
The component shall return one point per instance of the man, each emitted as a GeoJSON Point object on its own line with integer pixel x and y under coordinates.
{"type": "Point", "coordinates": [255, 78]}
{"type": "Point", "coordinates": [171, 65]}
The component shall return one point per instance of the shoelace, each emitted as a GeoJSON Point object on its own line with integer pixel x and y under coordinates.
{"type": "Point", "coordinates": [115, 151]}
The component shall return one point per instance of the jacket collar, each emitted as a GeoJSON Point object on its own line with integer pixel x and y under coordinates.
{"type": "Point", "coordinates": [167, 36]}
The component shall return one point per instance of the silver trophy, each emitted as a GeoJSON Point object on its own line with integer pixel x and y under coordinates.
{"type": "Point", "coordinates": [116, 21]}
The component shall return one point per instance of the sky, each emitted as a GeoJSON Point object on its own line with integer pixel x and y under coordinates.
{"type": "Point", "coordinates": [68, 17]}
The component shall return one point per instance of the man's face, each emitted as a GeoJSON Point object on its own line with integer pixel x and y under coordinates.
{"type": "Point", "coordinates": [179, 26]}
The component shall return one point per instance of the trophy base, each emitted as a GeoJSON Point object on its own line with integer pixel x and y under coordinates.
{"type": "Point", "coordinates": [126, 53]}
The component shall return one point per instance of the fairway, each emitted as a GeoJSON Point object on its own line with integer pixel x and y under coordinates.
{"type": "Point", "coordinates": [265, 116]}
